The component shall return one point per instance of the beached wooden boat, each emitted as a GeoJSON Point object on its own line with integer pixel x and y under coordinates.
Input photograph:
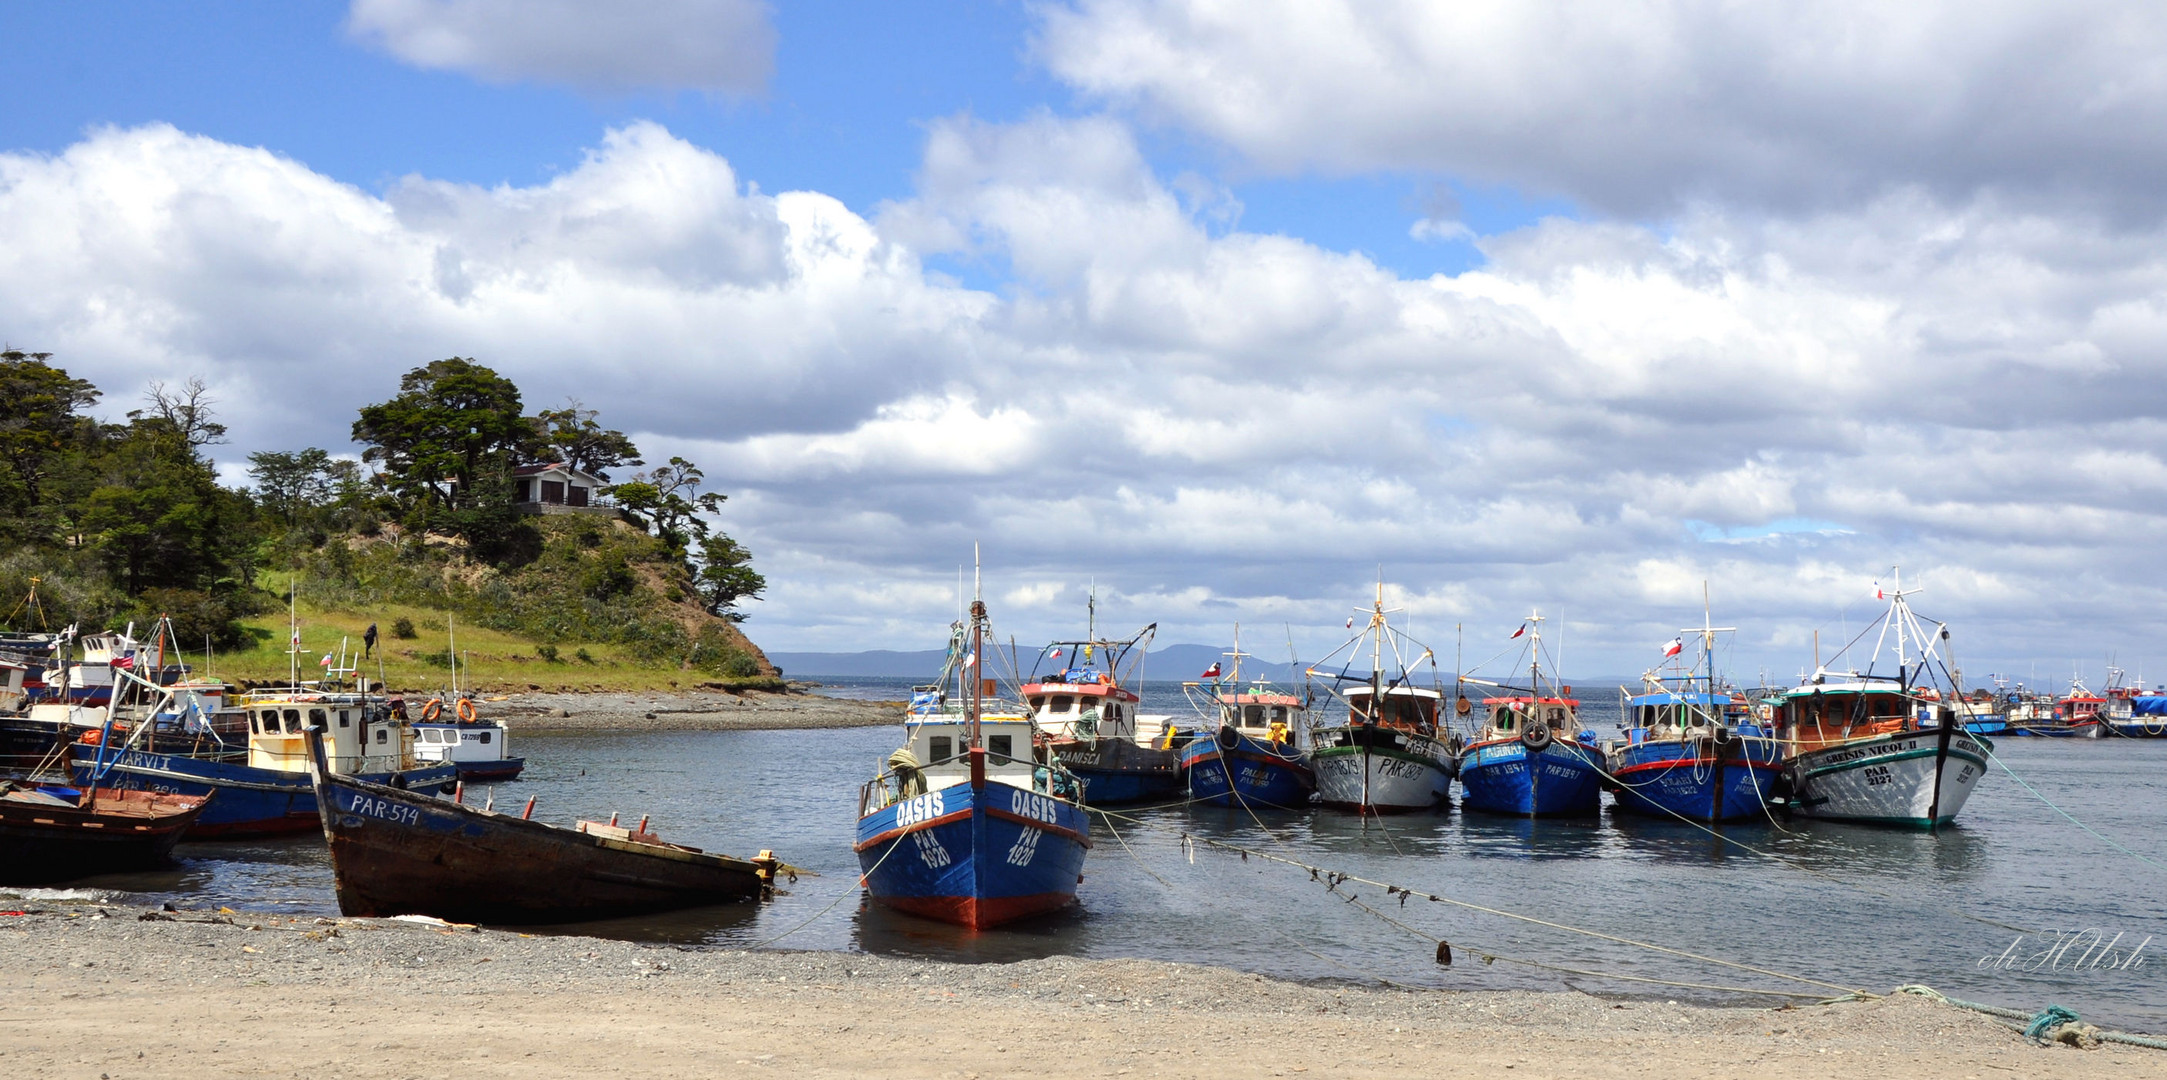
{"type": "Point", "coordinates": [50, 833]}
{"type": "Point", "coordinates": [400, 852]}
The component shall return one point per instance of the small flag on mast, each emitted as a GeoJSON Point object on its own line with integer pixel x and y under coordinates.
{"type": "Point", "coordinates": [1211, 672]}
{"type": "Point", "coordinates": [1877, 592]}
{"type": "Point", "coordinates": [1350, 622]}
{"type": "Point", "coordinates": [1676, 646]}
{"type": "Point", "coordinates": [1520, 631]}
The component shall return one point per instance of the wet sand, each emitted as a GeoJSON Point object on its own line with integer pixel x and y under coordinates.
{"type": "Point", "coordinates": [697, 710]}
{"type": "Point", "coordinates": [115, 993]}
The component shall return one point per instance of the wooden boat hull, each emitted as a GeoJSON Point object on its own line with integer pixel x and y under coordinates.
{"type": "Point", "coordinates": [251, 802]}
{"type": "Point", "coordinates": [1503, 776]}
{"type": "Point", "coordinates": [1116, 771]}
{"type": "Point", "coordinates": [977, 858]}
{"type": "Point", "coordinates": [1905, 778]}
{"type": "Point", "coordinates": [119, 831]}
{"type": "Point", "coordinates": [1379, 770]}
{"type": "Point", "coordinates": [1265, 773]}
{"type": "Point", "coordinates": [1697, 780]}
{"type": "Point", "coordinates": [397, 852]}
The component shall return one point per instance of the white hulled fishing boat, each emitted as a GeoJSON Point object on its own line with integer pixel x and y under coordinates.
{"type": "Point", "coordinates": [1388, 754]}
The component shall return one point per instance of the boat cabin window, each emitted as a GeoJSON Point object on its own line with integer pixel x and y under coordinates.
{"type": "Point", "coordinates": [484, 737]}
{"type": "Point", "coordinates": [316, 717]}
{"type": "Point", "coordinates": [1557, 718]}
{"type": "Point", "coordinates": [1501, 719]}
{"type": "Point", "coordinates": [1000, 745]}
{"type": "Point", "coordinates": [939, 750]}
{"type": "Point", "coordinates": [346, 718]}
{"type": "Point", "coordinates": [1252, 716]}
{"type": "Point", "coordinates": [1279, 714]}
{"type": "Point", "coordinates": [1038, 702]}
{"type": "Point", "coordinates": [293, 720]}
{"type": "Point", "coordinates": [383, 734]}
{"type": "Point", "coordinates": [1061, 703]}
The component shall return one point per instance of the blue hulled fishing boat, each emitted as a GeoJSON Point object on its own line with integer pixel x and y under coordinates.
{"type": "Point", "coordinates": [1248, 753]}
{"type": "Point", "coordinates": [965, 825]}
{"type": "Point", "coordinates": [1691, 748]}
{"type": "Point", "coordinates": [1530, 758]}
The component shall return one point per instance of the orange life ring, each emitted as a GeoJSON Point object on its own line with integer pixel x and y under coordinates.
{"type": "Point", "coordinates": [466, 710]}
{"type": "Point", "coordinates": [432, 710]}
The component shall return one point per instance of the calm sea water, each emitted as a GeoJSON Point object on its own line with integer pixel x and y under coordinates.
{"type": "Point", "coordinates": [1856, 906]}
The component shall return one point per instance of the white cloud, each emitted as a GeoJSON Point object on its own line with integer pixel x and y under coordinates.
{"type": "Point", "coordinates": [719, 45]}
{"type": "Point", "coordinates": [1218, 426]}
{"type": "Point", "coordinates": [1640, 107]}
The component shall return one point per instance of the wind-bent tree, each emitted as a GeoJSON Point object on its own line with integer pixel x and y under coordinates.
{"type": "Point", "coordinates": [574, 437]}
{"type": "Point", "coordinates": [726, 576]}
{"type": "Point", "coordinates": [453, 422]}
{"type": "Point", "coordinates": [665, 499]}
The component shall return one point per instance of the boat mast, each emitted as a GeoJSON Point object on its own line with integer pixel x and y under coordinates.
{"type": "Point", "coordinates": [293, 621]}
{"type": "Point", "coordinates": [977, 664]}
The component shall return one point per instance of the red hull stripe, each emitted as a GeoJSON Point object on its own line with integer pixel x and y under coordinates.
{"type": "Point", "coordinates": [1042, 826]}
{"type": "Point", "coordinates": [908, 829]}
{"type": "Point", "coordinates": [974, 913]}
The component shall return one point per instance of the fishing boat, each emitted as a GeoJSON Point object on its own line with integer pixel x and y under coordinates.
{"type": "Point", "coordinates": [1857, 748]}
{"type": "Point", "coordinates": [1388, 755]}
{"type": "Point", "coordinates": [53, 832]}
{"type": "Point", "coordinates": [396, 851]}
{"type": "Point", "coordinates": [2026, 714]}
{"type": "Point", "coordinates": [153, 740]}
{"type": "Point", "coordinates": [2134, 713]}
{"type": "Point", "coordinates": [1247, 752]}
{"type": "Point", "coordinates": [1692, 749]}
{"type": "Point", "coordinates": [478, 747]}
{"type": "Point", "coordinates": [965, 824]}
{"type": "Point", "coordinates": [1529, 757]}
{"type": "Point", "coordinates": [1087, 715]}
{"type": "Point", "coordinates": [2082, 713]}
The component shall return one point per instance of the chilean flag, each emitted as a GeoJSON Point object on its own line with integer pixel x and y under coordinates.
{"type": "Point", "coordinates": [1676, 646]}
{"type": "Point", "coordinates": [1877, 592]}
{"type": "Point", "coordinates": [1055, 654]}
{"type": "Point", "coordinates": [1211, 672]}
{"type": "Point", "coordinates": [1520, 631]}
{"type": "Point", "coordinates": [1350, 622]}
{"type": "Point", "coordinates": [125, 663]}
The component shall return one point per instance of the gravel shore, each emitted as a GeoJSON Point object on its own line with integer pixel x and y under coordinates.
{"type": "Point", "coordinates": [113, 992]}
{"type": "Point", "coordinates": [697, 710]}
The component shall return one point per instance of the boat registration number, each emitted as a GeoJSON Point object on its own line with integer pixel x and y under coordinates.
{"type": "Point", "coordinates": [1035, 807]}
{"type": "Point", "coordinates": [384, 810]}
{"type": "Point", "coordinates": [919, 808]}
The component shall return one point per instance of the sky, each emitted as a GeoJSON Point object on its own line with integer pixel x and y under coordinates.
{"type": "Point", "coordinates": [1222, 309]}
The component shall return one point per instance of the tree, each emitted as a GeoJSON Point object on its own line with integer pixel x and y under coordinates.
{"type": "Point", "coordinates": [665, 501]}
{"type": "Point", "coordinates": [39, 421]}
{"type": "Point", "coordinates": [188, 409]}
{"type": "Point", "coordinates": [156, 515]}
{"type": "Point", "coordinates": [452, 421]}
{"type": "Point", "coordinates": [574, 437]}
{"type": "Point", "coordinates": [294, 485]}
{"type": "Point", "coordinates": [726, 576]}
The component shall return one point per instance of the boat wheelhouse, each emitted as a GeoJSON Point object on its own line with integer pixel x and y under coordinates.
{"type": "Point", "coordinates": [480, 749]}
{"type": "Point", "coordinates": [965, 824]}
{"type": "Point", "coordinates": [2081, 711]}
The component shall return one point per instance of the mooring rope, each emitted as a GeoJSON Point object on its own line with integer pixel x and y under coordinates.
{"type": "Point", "coordinates": [2042, 1025]}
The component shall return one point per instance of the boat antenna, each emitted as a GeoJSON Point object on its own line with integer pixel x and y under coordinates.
{"type": "Point", "coordinates": [293, 621]}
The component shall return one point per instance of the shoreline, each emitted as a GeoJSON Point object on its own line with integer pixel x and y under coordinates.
{"type": "Point", "coordinates": [558, 713]}
{"type": "Point", "coordinates": [100, 988]}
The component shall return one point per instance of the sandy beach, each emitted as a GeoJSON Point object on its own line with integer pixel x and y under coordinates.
{"type": "Point", "coordinates": [694, 710]}
{"type": "Point", "coordinates": [119, 993]}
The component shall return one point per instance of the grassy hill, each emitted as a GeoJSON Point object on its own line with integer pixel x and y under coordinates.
{"type": "Point", "coordinates": [598, 605]}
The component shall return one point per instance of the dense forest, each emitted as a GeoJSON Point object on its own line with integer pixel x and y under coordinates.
{"type": "Point", "coordinates": [108, 523]}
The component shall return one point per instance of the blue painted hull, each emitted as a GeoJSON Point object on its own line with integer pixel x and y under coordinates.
{"type": "Point", "coordinates": [2150, 727]}
{"type": "Point", "coordinates": [1108, 787]}
{"type": "Point", "coordinates": [1995, 726]}
{"type": "Point", "coordinates": [246, 801]}
{"type": "Point", "coordinates": [1503, 777]}
{"type": "Point", "coordinates": [1673, 779]}
{"type": "Point", "coordinates": [1265, 774]}
{"type": "Point", "coordinates": [974, 858]}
